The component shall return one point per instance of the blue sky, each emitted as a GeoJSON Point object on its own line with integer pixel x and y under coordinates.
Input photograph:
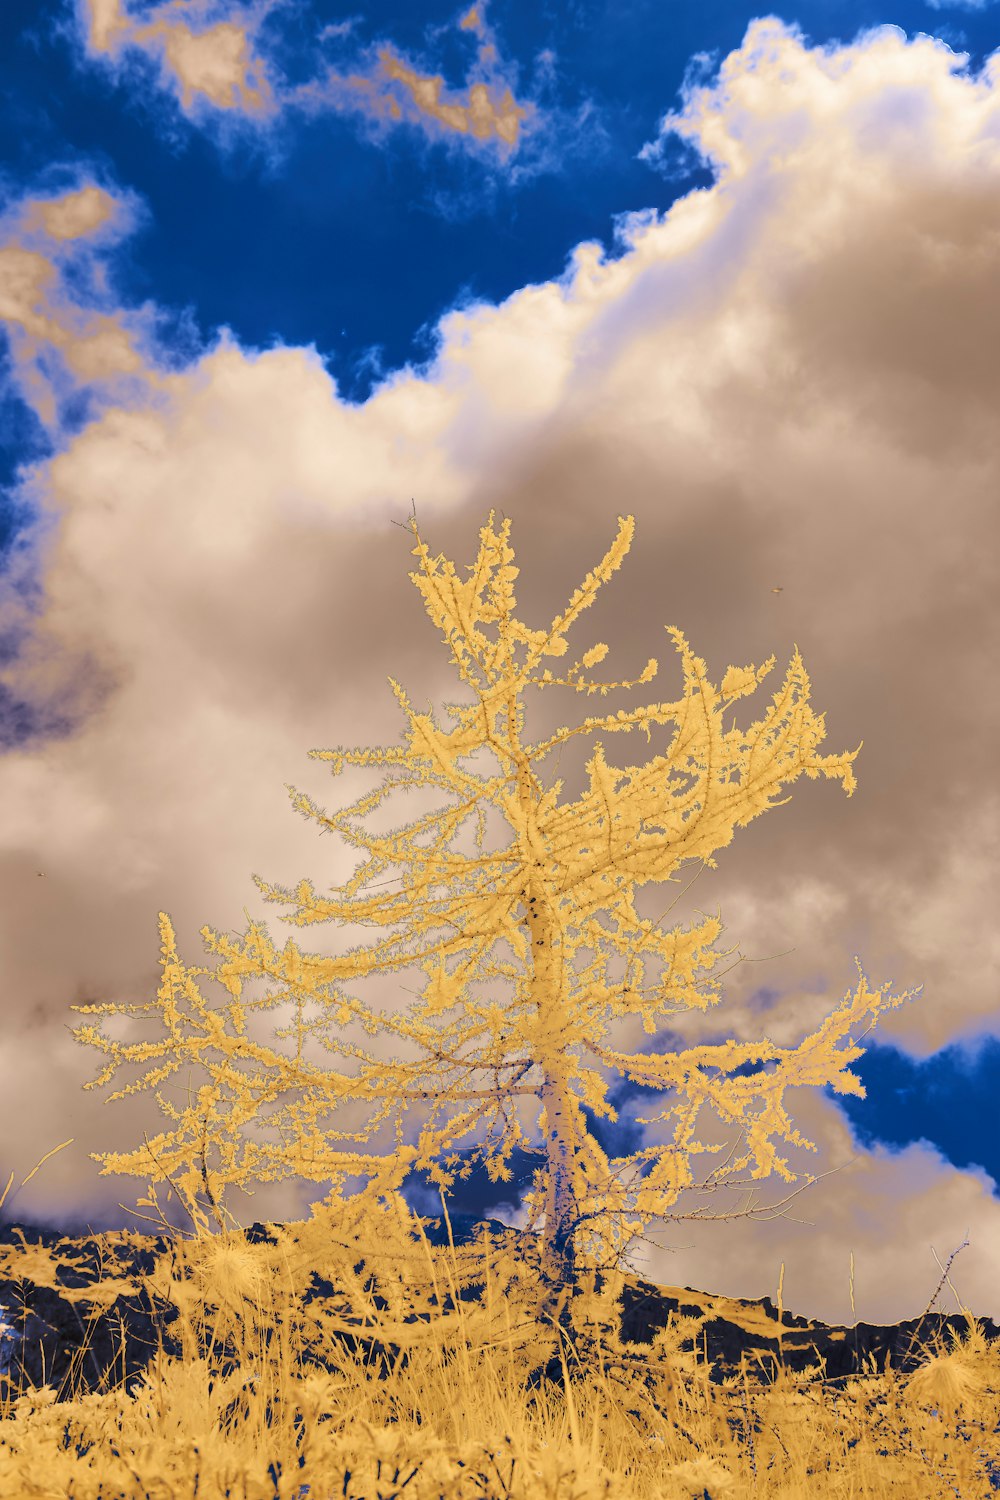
{"type": "Point", "coordinates": [271, 271]}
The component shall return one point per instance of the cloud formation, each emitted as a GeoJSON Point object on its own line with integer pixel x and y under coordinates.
{"type": "Point", "coordinates": [212, 65]}
{"type": "Point", "coordinates": [784, 378]}
{"type": "Point", "coordinates": [60, 343]}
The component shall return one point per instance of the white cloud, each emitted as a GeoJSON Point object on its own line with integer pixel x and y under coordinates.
{"type": "Point", "coordinates": [900, 1214]}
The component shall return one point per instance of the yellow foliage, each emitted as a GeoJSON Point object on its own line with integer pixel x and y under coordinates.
{"type": "Point", "coordinates": [564, 863]}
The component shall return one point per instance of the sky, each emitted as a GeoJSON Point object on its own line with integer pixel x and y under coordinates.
{"type": "Point", "coordinates": [274, 278]}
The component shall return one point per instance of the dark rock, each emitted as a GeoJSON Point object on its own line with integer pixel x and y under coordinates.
{"type": "Point", "coordinates": [732, 1327]}
{"type": "Point", "coordinates": [49, 1329]}
{"type": "Point", "coordinates": [43, 1333]}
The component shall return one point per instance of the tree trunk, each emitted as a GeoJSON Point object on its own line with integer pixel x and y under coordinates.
{"type": "Point", "coordinates": [559, 1262]}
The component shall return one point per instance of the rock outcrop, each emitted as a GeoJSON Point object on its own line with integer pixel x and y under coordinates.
{"type": "Point", "coordinates": [58, 1294]}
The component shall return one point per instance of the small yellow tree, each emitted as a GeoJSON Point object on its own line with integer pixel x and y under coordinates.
{"type": "Point", "coordinates": [564, 864]}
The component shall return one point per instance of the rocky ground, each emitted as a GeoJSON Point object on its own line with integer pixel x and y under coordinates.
{"type": "Point", "coordinates": [47, 1308]}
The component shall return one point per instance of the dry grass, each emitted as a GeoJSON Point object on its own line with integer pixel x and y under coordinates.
{"type": "Point", "coordinates": [244, 1413]}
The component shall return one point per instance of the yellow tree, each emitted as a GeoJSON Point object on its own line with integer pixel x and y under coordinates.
{"type": "Point", "coordinates": [542, 893]}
